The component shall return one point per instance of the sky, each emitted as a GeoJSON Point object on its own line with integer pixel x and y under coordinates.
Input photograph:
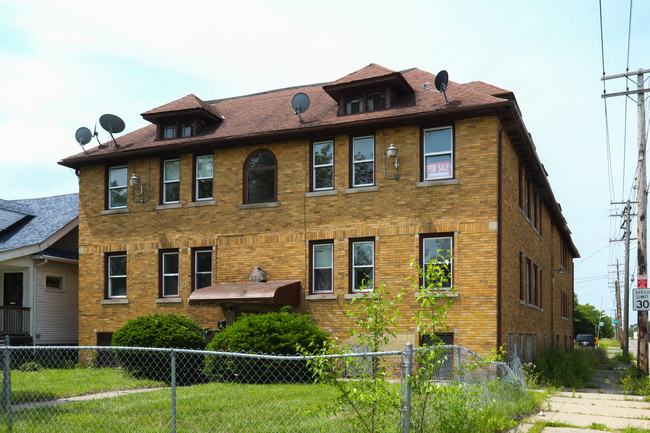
{"type": "Point", "coordinates": [65, 63]}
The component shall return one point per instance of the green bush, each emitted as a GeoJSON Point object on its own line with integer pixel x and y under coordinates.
{"type": "Point", "coordinates": [161, 331]}
{"type": "Point", "coordinates": [272, 333]}
{"type": "Point", "coordinates": [558, 367]}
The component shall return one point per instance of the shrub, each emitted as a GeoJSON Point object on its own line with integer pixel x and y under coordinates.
{"type": "Point", "coordinates": [161, 331]}
{"type": "Point", "coordinates": [272, 333]}
{"type": "Point", "coordinates": [558, 367]}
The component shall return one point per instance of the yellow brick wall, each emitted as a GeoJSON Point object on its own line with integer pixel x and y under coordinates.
{"type": "Point", "coordinates": [277, 238]}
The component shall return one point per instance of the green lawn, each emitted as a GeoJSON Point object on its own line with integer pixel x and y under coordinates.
{"type": "Point", "coordinates": [213, 407]}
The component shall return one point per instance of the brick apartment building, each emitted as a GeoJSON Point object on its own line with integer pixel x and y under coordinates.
{"type": "Point", "coordinates": [174, 217]}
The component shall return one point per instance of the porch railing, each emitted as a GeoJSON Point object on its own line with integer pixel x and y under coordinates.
{"type": "Point", "coordinates": [14, 320]}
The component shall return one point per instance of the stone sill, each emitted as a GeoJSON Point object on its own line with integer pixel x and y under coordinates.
{"type": "Point", "coordinates": [438, 294]}
{"type": "Point", "coordinates": [114, 301]}
{"type": "Point", "coordinates": [202, 203]}
{"type": "Point", "coordinates": [321, 193]}
{"type": "Point", "coordinates": [169, 206]}
{"type": "Point", "coordinates": [442, 182]}
{"type": "Point", "coordinates": [361, 189]}
{"type": "Point", "coordinates": [260, 205]}
{"type": "Point", "coordinates": [169, 300]}
{"type": "Point", "coordinates": [115, 211]}
{"type": "Point", "coordinates": [358, 295]}
{"type": "Point", "coordinates": [321, 297]}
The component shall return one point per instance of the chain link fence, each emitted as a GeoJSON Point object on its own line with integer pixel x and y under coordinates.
{"type": "Point", "coordinates": [114, 389]}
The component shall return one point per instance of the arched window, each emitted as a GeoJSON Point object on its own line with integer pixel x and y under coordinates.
{"type": "Point", "coordinates": [260, 177]}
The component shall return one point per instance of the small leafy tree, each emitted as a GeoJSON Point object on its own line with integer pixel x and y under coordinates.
{"type": "Point", "coordinates": [370, 395]}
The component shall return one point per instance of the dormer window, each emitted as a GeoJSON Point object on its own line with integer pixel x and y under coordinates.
{"type": "Point", "coordinates": [376, 101]}
{"type": "Point", "coordinates": [372, 101]}
{"type": "Point", "coordinates": [182, 129]}
{"type": "Point", "coordinates": [354, 104]}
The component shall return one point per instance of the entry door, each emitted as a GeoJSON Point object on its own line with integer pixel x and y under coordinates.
{"type": "Point", "coordinates": [13, 289]}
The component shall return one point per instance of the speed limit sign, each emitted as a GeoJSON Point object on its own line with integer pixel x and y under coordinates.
{"type": "Point", "coordinates": [641, 299]}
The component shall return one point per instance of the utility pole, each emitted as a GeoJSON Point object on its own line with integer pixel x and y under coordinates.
{"type": "Point", "coordinates": [627, 213]}
{"type": "Point", "coordinates": [642, 223]}
{"type": "Point", "coordinates": [619, 326]}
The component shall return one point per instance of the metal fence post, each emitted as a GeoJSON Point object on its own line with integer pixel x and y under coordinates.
{"type": "Point", "coordinates": [173, 385]}
{"type": "Point", "coordinates": [6, 383]}
{"type": "Point", "coordinates": [461, 376]}
{"type": "Point", "coordinates": [408, 369]}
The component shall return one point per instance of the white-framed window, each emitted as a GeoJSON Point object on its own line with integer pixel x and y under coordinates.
{"type": "Point", "coordinates": [53, 282]}
{"type": "Point", "coordinates": [202, 268]}
{"type": "Point", "coordinates": [116, 275]}
{"type": "Point", "coordinates": [363, 161]}
{"type": "Point", "coordinates": [438, 153]}
{"type": "Point", "coordinates": [362, 265]}
{"type": "Point", "coordinates": [171, 181]}
{"type": "Point", "coordinates": [437, 250]}
{"type": "Point", "coordinates": [169, 277]}
{"type": "Point", "coordinates": [117, 187]}
{"type": "Point", "coordinates": [322, 267]}
{"type": "Point", "coordinates": [323, 165]}
{"type": "Point", "coordinates": [204, 175]}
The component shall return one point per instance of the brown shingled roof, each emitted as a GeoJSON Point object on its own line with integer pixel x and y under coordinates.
{"type": "Point", "coordinates": [269, 114]}
{"type": "Point", "coordinates": [373, 70]}
{"type": "Point", "coordinates": [189, 103]}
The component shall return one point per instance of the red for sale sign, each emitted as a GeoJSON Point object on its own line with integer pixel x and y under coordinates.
{"type": "Point", "coordinates": [642, 282]}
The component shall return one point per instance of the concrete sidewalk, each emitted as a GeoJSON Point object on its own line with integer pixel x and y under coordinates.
{"type": "Point", "coordinates": [601, 407]}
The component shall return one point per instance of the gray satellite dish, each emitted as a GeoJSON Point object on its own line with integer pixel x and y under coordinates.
{"type": "Point", "coordinates": [442, 78]}
{"type": "Point", "coordinates": [83, 137]}
{"type": "Point", "coordinates": [300, 104]}
{"type": "Point", "coordinates": [112, 124]}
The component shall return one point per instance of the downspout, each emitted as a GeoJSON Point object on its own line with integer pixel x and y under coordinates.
{"type": "Point", "coordinates": [499, 239]}
{"type": "Point", "coordinates": [32, 319]}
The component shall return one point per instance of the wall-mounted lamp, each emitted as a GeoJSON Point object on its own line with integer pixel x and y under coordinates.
{"type": "Point", "coordinates": [391, 152]}
{"type": "Point", "coordinates": [135, 181]}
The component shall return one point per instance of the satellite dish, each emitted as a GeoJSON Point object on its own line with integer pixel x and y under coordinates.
{"type": "Point", "coordinates": [112, 124]}
{"type": "Point", "coordinates": [300, 104]}
{"type": "Point", "coordinates": [442, 78]}
{"type": "Point", "coordinates": [83, 137]}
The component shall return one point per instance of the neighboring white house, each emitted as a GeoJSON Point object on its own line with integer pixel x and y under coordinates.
{"type": "Point", "coordinates": [39, 262]}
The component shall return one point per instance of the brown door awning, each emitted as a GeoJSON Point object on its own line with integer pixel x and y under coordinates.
{"type": "Point", "coordinates": [269, 293]}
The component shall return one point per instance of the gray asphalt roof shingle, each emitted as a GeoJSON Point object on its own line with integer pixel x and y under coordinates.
{"type": "Point", "coordinates": [50, 214]}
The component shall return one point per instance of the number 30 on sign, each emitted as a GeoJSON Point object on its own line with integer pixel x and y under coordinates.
{"type": "Point", "coordinates": [641, 299]}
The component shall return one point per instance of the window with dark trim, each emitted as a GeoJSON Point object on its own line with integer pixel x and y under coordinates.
{"type": "Point", "coordinates": [528, 281]}
{"type": "Point", "coordinates": [203, 177]}
{"type": "Point", "coordinates": [260, 177]}
{"type": "Point", "coordinates": [169, 275]}
{"type": "Point", "coordinates": [535, 286]}
{"type": "Point", "coordinates": [117, 187]}
{"type": "Point", "coordinates": [522, 277]}
{"type": "Point", "coordinates": [202, 266]}
{"type": "Point", "coordinates": [116, 268]}
{"type": "Point", "coordinates": [362, 264]}
{"type": "Point", "coordinates": [321, 264]}
{"type": "Point", "coordinates": [437, 249]}
{"type": "Point", "coordinates": [438, 153]}
{"type": "Point", "coordinates": [364, 102]}
{"type": "Point", "coordinates": [363, 161]}
{"type": "Point", "coordinates": [171, 178]}
{"type": "Point", "coordinates": [322, 161]}
{"type": "Point", "coordinates": [182, 129]}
